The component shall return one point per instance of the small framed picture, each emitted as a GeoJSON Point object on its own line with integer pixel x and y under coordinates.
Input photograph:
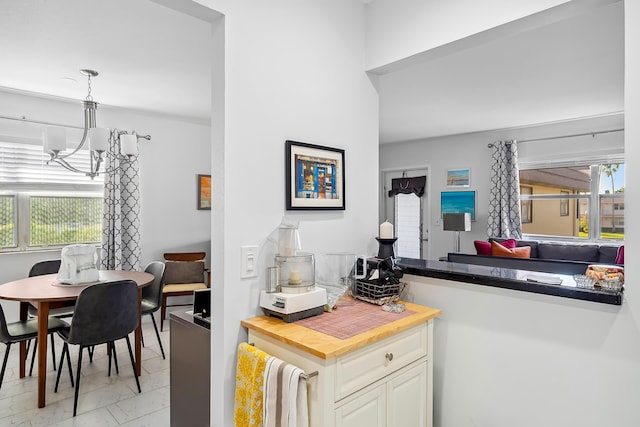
{"type": "Point", "coordinates": [204, 192]}
{"type": "Point", "coordinates": [458, 201]}
{"type": "Point", "coordinates": [314, 177]}
{"type": "Point", "coordinates": [458, 177]}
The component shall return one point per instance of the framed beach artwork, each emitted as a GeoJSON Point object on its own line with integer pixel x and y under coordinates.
{"type": "Point", "coordinates": [458, 177]}
{"type": "Point", "coordinates": [458, 201]}
{"type": "Point", "coordinates": [314, 177]}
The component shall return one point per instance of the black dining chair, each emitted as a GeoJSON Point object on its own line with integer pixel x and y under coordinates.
{"type": "Point", "coordinates": [50, 267]}
{"type": "Point", "coordinates": [152, 296]}
{"type": "Point", "coordinates": [104, 313]}
{"type": "Point", "coordinates": [39, 269]}
{"type": "Point", "coordinates": [22, 330]}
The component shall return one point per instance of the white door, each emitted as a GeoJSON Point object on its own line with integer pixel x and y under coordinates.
{"type": "Point", "coordinates": [409, 215]}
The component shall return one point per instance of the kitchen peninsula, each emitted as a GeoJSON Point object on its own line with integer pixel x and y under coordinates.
{"type": "Point", "coordinates": [382, 376]}
{"type": "Point", "coordinates": [520, 280]}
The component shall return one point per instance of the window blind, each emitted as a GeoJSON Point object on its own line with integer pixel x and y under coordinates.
{"type": "Point", "coordinates": [24, 163]}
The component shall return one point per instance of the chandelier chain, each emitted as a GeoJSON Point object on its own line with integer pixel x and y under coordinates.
{"type": "Point", "coordinates": [89, 97]}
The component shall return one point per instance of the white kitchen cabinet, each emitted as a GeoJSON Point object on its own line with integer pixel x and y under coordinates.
{"type": "Point", "coordinates": [405, 390]}
{"type": "Point", "coordinates": [367, 408]}
{"type": "Point", "coordinates": [397, 400]}
{"type": "Point", "coordinates": [382, 377]}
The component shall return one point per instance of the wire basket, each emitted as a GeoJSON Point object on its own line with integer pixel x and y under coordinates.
{"type": "Point", "coordinates": [378, 293]}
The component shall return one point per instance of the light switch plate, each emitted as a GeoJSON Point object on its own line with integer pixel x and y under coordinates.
{"type": "Point", "coordinates": [248, 261]}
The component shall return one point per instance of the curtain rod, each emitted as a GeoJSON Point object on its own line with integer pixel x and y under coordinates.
{"type": "Point", "coordinates": [490, 145]}
{"type": "Point", "coordinates": [40, 122]}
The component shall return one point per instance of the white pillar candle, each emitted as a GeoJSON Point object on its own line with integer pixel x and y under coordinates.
{"type": "Point", "coordinates": [99, 139]}
{"type": "Point", "coordinates": [386, 230]}
{"type": "Point", "coordinates": [54, 139]}
{"type": "Point", "coordinates": [128, 145]}
{"type": "Point", "coordinates": [294, 276]}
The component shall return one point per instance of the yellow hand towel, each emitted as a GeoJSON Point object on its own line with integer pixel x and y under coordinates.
{"type": "Point", "coordinates": [249, 386]}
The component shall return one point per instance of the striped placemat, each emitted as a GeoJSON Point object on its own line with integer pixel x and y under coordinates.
{"type": "Point", "coordinates": [349, 320]}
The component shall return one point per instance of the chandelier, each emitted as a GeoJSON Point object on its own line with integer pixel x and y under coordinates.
{"type": "Point", "coordinates": [97, 140]}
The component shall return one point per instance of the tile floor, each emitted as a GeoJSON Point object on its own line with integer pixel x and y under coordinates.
{"type": "Point", "coordinates": [103, 400]}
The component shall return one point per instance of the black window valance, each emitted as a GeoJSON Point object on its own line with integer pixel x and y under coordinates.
{"type": "Point", "coordinates": [413, 185]}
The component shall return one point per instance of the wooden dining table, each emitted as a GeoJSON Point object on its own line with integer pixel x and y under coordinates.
{"type": "Point", "coordinates": [46, 292]}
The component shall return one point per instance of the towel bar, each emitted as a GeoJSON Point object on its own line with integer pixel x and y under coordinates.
{"type": "Point", "coordinates": [309, 375]}
{"type": "Point", "coordinates": [303, 375]}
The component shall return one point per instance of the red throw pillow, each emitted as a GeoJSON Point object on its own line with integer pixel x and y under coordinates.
{"type": "Point", "coordinates": [509, 243]}
{"type": "Point", "coordinates": [499, 250]}
{"type": "Point", "coordinates": [482, 247]}
{"type": "Point", "coordinates": [620, 256]}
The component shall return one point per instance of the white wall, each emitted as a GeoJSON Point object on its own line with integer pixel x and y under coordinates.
{"type": "Point", "coordinates": [471, 151]}
{"type": "Point", "coordinates": [399, 29]}
{"type": "Point", "coordinates": [506, 358]}
{"type": "Point", "coordinates": [178, 150]}
{"type": "Point", "coordinates": [292, 70]}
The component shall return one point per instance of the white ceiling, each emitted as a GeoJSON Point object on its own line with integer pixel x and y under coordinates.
{"type": "Point", "coordinates": [149, 57]}
{"type": "Point", "coordinates": [152, 58]}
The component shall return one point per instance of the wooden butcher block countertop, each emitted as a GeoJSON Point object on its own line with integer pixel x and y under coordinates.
{"type": "Point", "coordinates": [326, 346]}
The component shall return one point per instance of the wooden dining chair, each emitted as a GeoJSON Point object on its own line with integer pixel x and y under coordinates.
{"type": "Point", "coordinates": [184, 273]}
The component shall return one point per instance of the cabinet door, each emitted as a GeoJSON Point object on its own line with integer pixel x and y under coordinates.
{"type": "Point", "coordinates": [367, 410]}
{"type": "Point", "coordinates": [407, 397]}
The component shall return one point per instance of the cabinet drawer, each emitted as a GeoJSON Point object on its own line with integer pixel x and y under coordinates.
{"type": "Point", "coordinates": [362, 367]}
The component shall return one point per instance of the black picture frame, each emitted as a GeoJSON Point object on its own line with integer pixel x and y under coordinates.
{"type": "Point", "coordinates": [314, 177]}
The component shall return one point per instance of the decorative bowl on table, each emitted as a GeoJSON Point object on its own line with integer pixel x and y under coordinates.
{"type": "Point", "coordinates": [610, 277]}
{"type": "Point", "coordinates": [584, 281]}
{"type": "Point", "coordinates": [611, 284]}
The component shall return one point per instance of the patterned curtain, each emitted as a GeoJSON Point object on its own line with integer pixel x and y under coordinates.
{"type": "Point", "coordinates": [504, 195]}
{"type": "Point", "coordinates": [121, 212]}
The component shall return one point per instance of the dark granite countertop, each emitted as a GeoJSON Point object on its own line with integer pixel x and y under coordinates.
{"type": "Point", "coordinates": [519, 280]}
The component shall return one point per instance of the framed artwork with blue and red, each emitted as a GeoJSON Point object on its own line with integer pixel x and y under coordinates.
{"type": "Point", "coordinates": [314, 177]}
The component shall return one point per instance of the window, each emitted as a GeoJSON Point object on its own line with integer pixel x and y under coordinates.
{"type": "Point", "coordinates": [526, 206]}
{"type": "Point", "coordinates": [7, 221]}
{"type": "Point", "coordinates": [64, 219]}
{"type": "Point", "coordinates": [575, 202]}
{"type": "Point", "coordinates": [42, 205]}
{"type": "Point", "coordinates": [564, 205]}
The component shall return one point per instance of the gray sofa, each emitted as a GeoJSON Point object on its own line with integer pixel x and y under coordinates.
{"type": "Point", "coordinates": [592, 253]}
{"type": "Point", "coordinates": [548, 257]}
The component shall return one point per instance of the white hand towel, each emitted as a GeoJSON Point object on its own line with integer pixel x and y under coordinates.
{"type": "Point", "coordinates": [285, 395]}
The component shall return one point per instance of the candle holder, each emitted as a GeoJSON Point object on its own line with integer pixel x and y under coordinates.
{"type": "Point", "coordinates": [385, 248]}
